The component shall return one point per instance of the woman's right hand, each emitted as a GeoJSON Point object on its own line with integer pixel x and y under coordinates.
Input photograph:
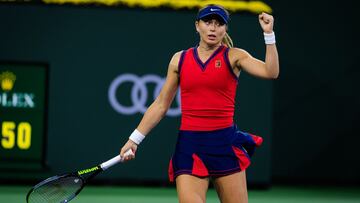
{"type": "Point", "coordinates": [128, 145]}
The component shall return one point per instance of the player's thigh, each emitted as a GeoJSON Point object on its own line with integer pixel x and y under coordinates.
{"type": "Point", "coordinates": [232, 188]}
{"type": "Point", "coordinates": [191, 189]}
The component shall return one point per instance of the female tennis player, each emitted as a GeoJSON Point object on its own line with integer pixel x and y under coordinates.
{"type": "Point", "coordinates": [209, 144]}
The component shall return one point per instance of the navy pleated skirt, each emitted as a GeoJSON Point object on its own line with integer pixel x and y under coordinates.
{"type": "Point", "coordinates": [212, 153]}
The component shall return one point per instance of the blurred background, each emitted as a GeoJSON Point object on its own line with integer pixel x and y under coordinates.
{"type": "Point", "coordinates": [77, 77]}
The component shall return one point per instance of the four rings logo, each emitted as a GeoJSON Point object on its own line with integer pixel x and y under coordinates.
{"type": "Point", "coordinates": [139, 94]}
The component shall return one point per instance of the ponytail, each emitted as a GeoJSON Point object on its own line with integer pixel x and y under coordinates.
{"type": "Point", "coordinates": [228, 41]}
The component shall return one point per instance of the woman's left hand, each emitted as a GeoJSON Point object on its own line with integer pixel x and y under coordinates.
{"type": "Point", "coordinates": [267, 22]}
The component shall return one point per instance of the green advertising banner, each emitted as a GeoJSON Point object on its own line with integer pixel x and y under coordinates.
{"type": "Point", "coordinates": [22, 115]}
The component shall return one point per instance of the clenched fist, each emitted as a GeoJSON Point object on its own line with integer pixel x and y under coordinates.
{"type": "Point", "coordinates": [267, 22]}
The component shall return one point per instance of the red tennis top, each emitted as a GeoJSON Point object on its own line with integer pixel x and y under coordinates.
{"type": "Point", "coordinates": [208, 90]}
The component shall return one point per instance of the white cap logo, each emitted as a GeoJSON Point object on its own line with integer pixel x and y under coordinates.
{"type": "Point", "coordinates": [213, 9]}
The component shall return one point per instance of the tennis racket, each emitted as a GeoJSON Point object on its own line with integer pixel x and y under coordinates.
{"type": "Point", "coordinates": [63, 188]}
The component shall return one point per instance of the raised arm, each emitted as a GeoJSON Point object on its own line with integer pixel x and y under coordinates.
{"type": "Point", "coordinates": [242, 60]}
{"type": "Point", "coordinates": [159, 107]}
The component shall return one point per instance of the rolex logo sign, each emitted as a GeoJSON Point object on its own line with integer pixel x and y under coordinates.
{"type": "Point", "coordinates": [22, 115]}
{"type": "Point", "coordinates": [10, 97]}
{"type": "Point", "coordinates": [7, 80]}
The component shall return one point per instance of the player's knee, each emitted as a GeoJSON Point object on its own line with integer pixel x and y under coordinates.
{"type": "Point", "coordinates": [192, 198]}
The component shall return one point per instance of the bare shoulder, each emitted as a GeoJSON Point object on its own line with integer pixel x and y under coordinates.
{"type": "Point", "coordinates": [174, 62]}
{"type": "Point", "coordinates": [238, 53]}
{"type": "Point", "coordinates": [237, 56]}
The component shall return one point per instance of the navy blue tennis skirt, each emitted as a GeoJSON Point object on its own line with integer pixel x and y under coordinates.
{"type": "Point", "coordinates": [212, 154]}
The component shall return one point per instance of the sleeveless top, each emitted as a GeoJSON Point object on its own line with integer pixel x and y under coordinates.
{"type": "Point", "coordinates": [208, 90]}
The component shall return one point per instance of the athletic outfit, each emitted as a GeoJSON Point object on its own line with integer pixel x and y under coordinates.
{"type": "Point", "coordinates": [209, 143]}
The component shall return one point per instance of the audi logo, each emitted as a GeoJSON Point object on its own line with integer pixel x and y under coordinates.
{"type": "Point", "coordinates": [139, 94]}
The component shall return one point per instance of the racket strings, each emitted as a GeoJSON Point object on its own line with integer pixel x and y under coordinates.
{"type": "Point", "coordinates": [59, 190]}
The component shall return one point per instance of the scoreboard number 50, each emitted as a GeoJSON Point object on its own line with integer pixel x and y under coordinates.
{"type": "Point", "coordinates": [19, 135]}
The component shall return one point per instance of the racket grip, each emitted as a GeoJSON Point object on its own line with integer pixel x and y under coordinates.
{"type": "Point", "coordinates": [115, 160]}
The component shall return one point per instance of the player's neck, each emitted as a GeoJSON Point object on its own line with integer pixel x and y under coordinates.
{"type": "Point", "coordinates": [203, 47]}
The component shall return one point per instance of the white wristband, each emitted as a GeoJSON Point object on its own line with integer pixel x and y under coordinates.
{"type": "Point", "coordinates": [269, 38]}
{"type": "Point", "coordinates": [136, 137]}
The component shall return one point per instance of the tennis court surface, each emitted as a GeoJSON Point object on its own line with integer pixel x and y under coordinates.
{"type": "Point", "coordinates": [117, 194]}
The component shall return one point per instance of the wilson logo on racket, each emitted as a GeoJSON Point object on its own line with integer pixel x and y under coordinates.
{"type": "Point", "coordinates": [88, 170]}
{"type": "Point", "coordinates": [64, 188]}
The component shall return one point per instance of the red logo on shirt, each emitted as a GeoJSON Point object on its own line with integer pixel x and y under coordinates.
{"type": "Point", "coordinates": [217, 63]}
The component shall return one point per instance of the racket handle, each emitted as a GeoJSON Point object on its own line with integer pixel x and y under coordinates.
{"type": "Point", "coordinates": [115, 160]}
